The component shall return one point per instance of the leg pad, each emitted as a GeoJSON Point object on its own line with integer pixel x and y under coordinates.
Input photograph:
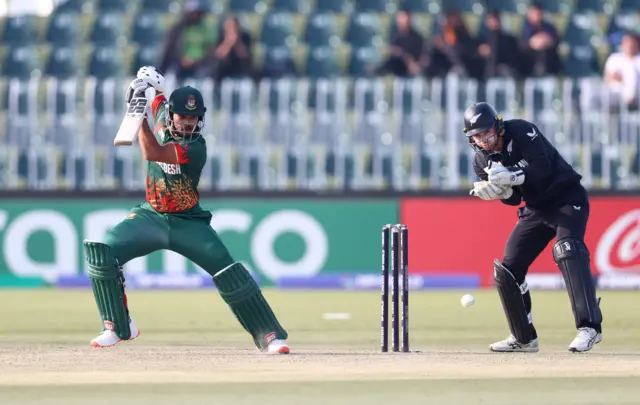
{"type": "Point", "coordinates": [512, 302]}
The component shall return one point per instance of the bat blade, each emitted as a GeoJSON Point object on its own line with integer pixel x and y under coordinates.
{"type": "Point", "coordinates": [131, 122]}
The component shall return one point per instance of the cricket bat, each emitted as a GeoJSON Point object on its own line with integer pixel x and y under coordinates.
{"type": "Point", "coordinates": [132, 122]}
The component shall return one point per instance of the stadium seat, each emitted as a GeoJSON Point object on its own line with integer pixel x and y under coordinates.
{"type": "Point", "coordinates": [160, 6]}
{"type": "Point", "coordinates": [63, 29]}
{"type": "Point", "coordinates": [145, 56]}
{"type": "Point", "coordinates": [291, 6]}
{"type": "Point", "coordinates": [422, 6]}
{"type": "Point", "coordinates": [332, 6]}
{"type": "Point", "coordinates": [113, 5]}
{"type": "Point", "coordinates": [20, 61]}
{"type": "Point", "coordinates": [322, 30]}
{"type": "Point", "coordinates": [464, 6]}
{"type": "Point", "coordinates": [277, 30]}
{"type": "Point", "coordinates": [582, 29]}
{"type": "Point", "coordinates": [146, 29]}
{"type": "Point", "coordinates": [556, 6]}
{"type": "Point", "coordinates": [363, 61]}
{"type": "Point", "coordinates": [62, 62]}
{"type": "Point", "coordinates": [631, 6]}
{"type": "Point", "coordinates": [507, 6]}
{"type": "Point", "coordinates": [594, 6]}
{"type": "Point", "coordinates": [364, 30]}
{"type": "Point", "coordinates": [581, 61]}
{"type": "Point", "coordinates": [619, 24]}
{"type": "Point", "coordinates": [247, 6]}
{"type": "Point", "coordinates": [374, 6]}
{"type": "Point", "coordinates": [322, 62]}
{"type": "Point", "coordinates": [105, 62]}
{"type": "Point", "coordinates": [108, 29]}
{"type": "Point", "coordinates": [278, 62]}
{"type": "Point", "coordinates": [71, 6]}
{"type": "Point", "coordinates": [20, 30]}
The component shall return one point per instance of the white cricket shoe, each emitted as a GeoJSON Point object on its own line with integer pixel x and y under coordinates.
{"type": "Point", "coordinates": [109, 338]}
{"type": "Point", "coordinates": [278, 346]}
{"type": "Point", "coordinates": [510, 344]}
{"type": "Point", "coordinates": [584, 341]}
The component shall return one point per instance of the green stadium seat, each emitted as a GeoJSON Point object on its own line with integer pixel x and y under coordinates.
{"type": "Point", "coordinates": [322, 62]}
{"type": "Point", "coordinates": [160, 6]}
{"type": "Point", "coordinates": [374, 6]}
{"type": "Point", "coordinates": [108, 29]}
{"type": "Point", "coordinates": [594, 6]}
{"type": "Point", "coordinates": [423, 6]}
{"type": "Point", "coordinates": [146, 56]}
{"type": "Point", "coordinates": [322, 30]}
{"type": "Point", "coordinates": [121, 6]}
{"type": "Point", "coordinates": [21, 30]}
{"type": "Point", "coordinates": [20, 62]}
{"type": "Point", "coordinates": [582, 61]}
{"type": "Point", "coordinates": [63, 29]}
{"type": "Point", "coordinates": [247, 6]}
{"type": "Point", "coordinates": [62, 62]}
{"type": "Point", "coordinates": [291, 6]}
{"type": "Point", "coordinates": [278, 62]}
{"type": "Point", "coordinates": [106, 62]}
{"type": "Point", "coordinates": [363, 61]}
{"type": "Point", "coordinates": [556, 6]}
{"type": "Point", "coordinates": [464, 6]}
{"type": "Point", "coordinates": [277, 30]}
{"type": "Point", "coordinates": [364, 30]}
{"type": "Point", "coordinates": [631, 6]}
{"type": "Point", "coordinates": [146, 30]}
{"type": "Point", "coordinates": [582, 29]}
{"type": "Point", "coordinates": [332, 6]}
{"type": "Point", "coordinates": [507, 6]}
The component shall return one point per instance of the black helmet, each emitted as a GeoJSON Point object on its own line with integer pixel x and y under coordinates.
{"type": "Point", "coordinates": [480, 117]}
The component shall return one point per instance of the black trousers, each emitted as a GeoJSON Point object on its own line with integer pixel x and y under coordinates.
{"type": "Point", "coordinates": [536, 228]}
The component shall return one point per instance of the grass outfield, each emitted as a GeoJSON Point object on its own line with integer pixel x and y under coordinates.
{"type": "Point", "coordinates": [192, 349]}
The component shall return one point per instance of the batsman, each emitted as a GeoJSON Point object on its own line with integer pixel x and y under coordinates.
{"type": "Point", "coordinates": [171, 218]}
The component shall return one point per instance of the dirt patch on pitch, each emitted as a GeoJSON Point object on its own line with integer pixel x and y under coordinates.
{"type": "Point", "coordinates": [40, 365]}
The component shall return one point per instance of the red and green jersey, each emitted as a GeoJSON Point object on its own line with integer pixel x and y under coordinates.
{"type": "Point", "coordinates": [173, 188]}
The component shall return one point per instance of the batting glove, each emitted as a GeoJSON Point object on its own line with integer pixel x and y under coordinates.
{"type": "Point", "coordinates": [140, 88]}
{"type": "Point", "coordinates": [505, 176]}
{"type": "Point", "coordinates": [487, 191]}
{"type": "Point", "coordinates": [153, 76]}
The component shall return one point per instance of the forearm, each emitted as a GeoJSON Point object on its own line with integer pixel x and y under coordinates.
{"type": "Point", "coordinates": [148, 143]}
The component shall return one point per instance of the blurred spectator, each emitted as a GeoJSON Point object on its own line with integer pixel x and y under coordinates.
{"type": "Point", "coordinates": [452, 50]}
{"type": "Point", "coordinates": [499, 49]}
{"type": "Point", "coordinates": [188, 43]}
{"type": "Point", "coordinates": [622, 73]}
{"type": "Point", "coordinates": [232, 55]}
{"type": "Point", "coordinates": [540, 43]}
{"type": "Point", "coordinates": [405, 50]}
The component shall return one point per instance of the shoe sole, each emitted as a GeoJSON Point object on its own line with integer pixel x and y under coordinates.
{"type": "Point", "coordinates": [514, 350]}
{"type": "Point", "coordinates": [99, 346]}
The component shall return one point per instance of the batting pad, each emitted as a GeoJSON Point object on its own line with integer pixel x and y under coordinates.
{"type": "Point", "coordinates": [108, 289]}
{"type": "Point", "coordinates": [512, 302]}
{"type": "Point", "coordinates": [240, 291]}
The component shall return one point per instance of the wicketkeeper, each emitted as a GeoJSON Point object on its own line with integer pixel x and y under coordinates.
{"type": "Point", "coordinates": [172, 218]}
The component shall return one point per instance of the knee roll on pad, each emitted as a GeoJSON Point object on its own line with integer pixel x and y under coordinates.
{"type": "Point", "coordinates": [244, 297]}
{"type": "Point", "coordinates": [512, 302]}
{"type": "Point", "coordinates": [108, 288]}
{"type": "Point", "coordinates": [572, 257]}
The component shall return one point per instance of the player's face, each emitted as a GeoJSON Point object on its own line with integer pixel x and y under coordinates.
{"type": "Point", "coordinates": [184, 124]}
{"type": "Point", "coordinates": [487, 140]}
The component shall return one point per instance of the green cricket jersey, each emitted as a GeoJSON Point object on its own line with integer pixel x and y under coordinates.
{"type": "Point", "coordinates": [173, 188]}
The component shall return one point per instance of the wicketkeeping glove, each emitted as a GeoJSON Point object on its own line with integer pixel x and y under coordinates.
{"type": "Point", "coordinates": [505, 176]}
{"type": "Point", "coordinates": [487, 191]}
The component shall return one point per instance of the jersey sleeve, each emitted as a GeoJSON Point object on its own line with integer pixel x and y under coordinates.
{"type": "Point", "coordinates": [477, 167]}
{"type": "Point", "coordinates": [193, 153]}
{"type": "Point", "coordinates": [158, 111]}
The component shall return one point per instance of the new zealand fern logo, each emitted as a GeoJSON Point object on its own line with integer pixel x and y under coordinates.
{"type": "Point", "coordinates": [191, 103]}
